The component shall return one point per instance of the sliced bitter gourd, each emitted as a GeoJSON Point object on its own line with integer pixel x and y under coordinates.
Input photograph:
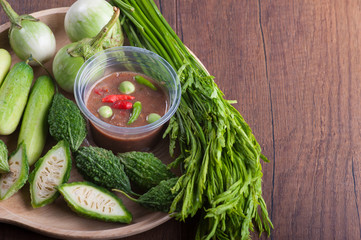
{"type": "Point", "coordinates": [4, 164]}
{"type": "Point", "coordinates": [50, 171]}
{"type": "Point", "coordinates": [12, 181]}
{"type": "Point", "coordinates": [95, 202]}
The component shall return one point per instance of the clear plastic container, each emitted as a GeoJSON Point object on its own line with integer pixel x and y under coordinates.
{"type": "Point", "coordinates": [132, 59]}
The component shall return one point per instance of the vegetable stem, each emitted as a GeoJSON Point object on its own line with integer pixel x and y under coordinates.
{"type": "Point", "coordinates": [13, 16]}
{"type": "Point", "coordinates": [99, 38]}
{"type": "Point", "coordinates": [219, 155]}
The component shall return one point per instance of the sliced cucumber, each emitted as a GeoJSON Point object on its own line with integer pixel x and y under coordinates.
{"type": "Point", "coordinates": [4, 164]}
{"type": "Point", "coordinates": [95, 202]}
{"type": "Point", "coordinates": [50, 171]}
{"type": "Point", "coordinates": [11, 182]}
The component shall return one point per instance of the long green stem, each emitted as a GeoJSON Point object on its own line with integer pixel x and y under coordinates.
{"type": "Point", "coordinates": [218, 152]}
{"type": "Point", "coordinates": [140, 18]}
{"type": "Point", "coordinates": [13, 16]}
{"type": "Point", "coordinates": [97, 41]}
{"type": "Point", "coordinates": [124, 6]}
{"type": "Point", "coordinates": [157, 30]}
{"type": "Point", "coordinates": [152, 5]}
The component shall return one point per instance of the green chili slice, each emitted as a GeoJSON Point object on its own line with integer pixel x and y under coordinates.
{"type": "Point", "coordinates": [143, 81]}
{"type": "Point", "coordinates": [137, 108]}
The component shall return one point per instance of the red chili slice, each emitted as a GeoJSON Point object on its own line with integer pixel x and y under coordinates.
{"type": "Point", "coordinates": [100, 91]}
{"type": "Point", "coordinates": [122, 104]}
{"type": "Point", "coordinates": [114, 98]}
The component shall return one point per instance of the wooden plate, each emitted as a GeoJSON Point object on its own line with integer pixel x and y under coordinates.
{"type": "Point", "coordinates": [57, 219]}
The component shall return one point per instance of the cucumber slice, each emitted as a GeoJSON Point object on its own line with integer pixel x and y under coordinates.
{"type": "Point", "coordinates": [11, 182]}
{"type": "Point", "coordinates": [50, 171]}
{"type": "Point", "coordinates": [95, 202]}
{"type": "Point", "coordinates": [4, 164]}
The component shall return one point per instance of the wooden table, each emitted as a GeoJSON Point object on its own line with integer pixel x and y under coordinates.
{"type": "Point", "coordinates": [294, 68]}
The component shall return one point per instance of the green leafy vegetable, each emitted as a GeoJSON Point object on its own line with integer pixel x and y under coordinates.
{"type": "Point", "coordinates": [66, 122]}
{"type": "Point", "coordinates": [220, 155]}
{"type": "Point", "coordinates": [102, 167]}
{"type": "Point", "coordinates": [144, 169]}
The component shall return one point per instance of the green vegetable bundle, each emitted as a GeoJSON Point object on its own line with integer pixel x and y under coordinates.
{"type": "Point", "coordinates": [220, 156]}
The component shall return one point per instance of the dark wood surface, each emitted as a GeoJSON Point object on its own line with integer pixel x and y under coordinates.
{"type": "Point", "coordinates": [294, 68]}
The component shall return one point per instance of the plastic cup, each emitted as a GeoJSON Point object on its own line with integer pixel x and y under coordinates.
{"type": "Point", "coordinates": [130, 59]}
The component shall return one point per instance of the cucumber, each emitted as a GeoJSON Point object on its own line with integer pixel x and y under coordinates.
{"type": "Point", "coordinates": [96, 202]}
{"type": "Point", "coordinates": [50, 171]}
{"type": "Point", "coordinates": [4, 164]}
{"type": "Point", "coordinates": [34, 126]}
{"type": "Point", "coordinates": [11, 182]}
{"type": "Point", "coordinates": [13, 96]}
{"type": "Point", "coordinates": [5, 60]}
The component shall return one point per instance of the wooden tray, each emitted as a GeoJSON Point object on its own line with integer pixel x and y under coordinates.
{"type": "Point", "coordinates": [57, 219]}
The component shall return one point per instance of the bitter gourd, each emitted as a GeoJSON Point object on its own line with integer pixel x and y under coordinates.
{"type": "Point", "coordinates": [66, 122]}
{"type": "Point", "coordinates": [50, 171]}
{"type": "Point", "coordinates": [12, 181]}
{"type": "Point", "coordinates": [4, 164]}
{"type": "Point", "coordinates": [102, 167]}
{"type": "Point", "coordinates": [158, 198]}
{"type": "Point", "coordinates": [144, 169]}
{"type": "Point", "coordinates": [92, 201]}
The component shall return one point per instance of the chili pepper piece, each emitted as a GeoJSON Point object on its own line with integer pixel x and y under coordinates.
{"type": "Point", "coordinates": [143, 81]}
{"type": "Point", "coordinates": [137, 108]}
{"type": "Point", "coordinates": [122, 104]}
{"type": "Point", "coordinates": [115, 97]}
{"type": "Point", "coordinates": [100, 91]}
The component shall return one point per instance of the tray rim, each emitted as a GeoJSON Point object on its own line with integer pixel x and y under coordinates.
{"type": "Point", "coordinates": [16, 220]}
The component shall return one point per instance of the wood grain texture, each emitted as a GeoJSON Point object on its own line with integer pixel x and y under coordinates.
{"type": "Point", "coordinates": [312, 51]}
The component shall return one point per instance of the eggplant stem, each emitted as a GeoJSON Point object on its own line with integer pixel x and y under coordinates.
{"type": "Point", "coordinates": [31, 58]}
{"type": "Point", "coordinates": [98, 40]}
{"type": "Point", "coordinates": [13, 16]}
